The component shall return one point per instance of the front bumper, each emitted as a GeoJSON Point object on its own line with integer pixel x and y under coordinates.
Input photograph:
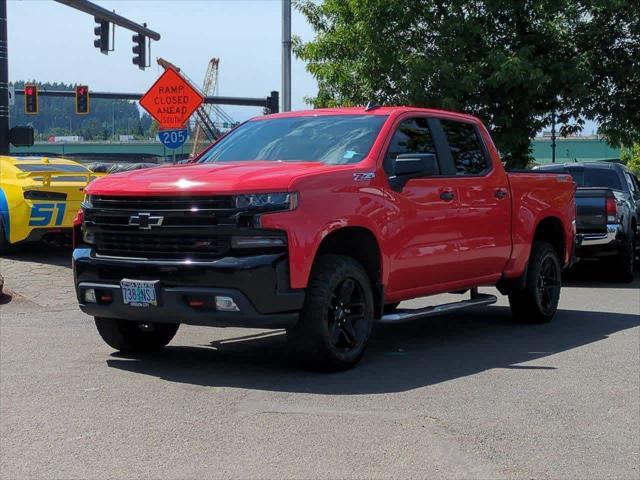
{"type": "Point", "coordinates": [258, 284]}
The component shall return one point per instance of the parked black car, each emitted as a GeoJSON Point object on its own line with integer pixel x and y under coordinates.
{"type": "Point", "coordinates": [608, 204]}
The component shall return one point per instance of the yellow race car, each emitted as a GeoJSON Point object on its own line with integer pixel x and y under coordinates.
{"type": "Point", "coordinates": [39, 197]}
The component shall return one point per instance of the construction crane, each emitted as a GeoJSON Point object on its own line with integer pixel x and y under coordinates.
{"type": "Point", "coordinates": [205, 129]}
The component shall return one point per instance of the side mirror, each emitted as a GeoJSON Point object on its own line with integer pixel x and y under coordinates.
{"type": "Point", "coordinates": [412, 165]}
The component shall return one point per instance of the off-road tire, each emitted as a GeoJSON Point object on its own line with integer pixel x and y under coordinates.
{"type": "Point", "coordinates": [319, 340]}
{"type": "Point", "coordinates": [538, 301]}
{"type": "Point", "coordinates": [133, 337]}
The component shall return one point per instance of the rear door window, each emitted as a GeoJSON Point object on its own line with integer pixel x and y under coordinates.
{"type": "Point", "coordinates": [466, 148]}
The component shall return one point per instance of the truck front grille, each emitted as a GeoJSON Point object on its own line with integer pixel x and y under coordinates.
{"type": "Point", "coordinates": [152, 245]}
{"type": "Point", "coordinates": [179, 228]}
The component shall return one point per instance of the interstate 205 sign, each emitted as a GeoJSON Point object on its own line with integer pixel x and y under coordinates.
{"type": "Point", "coordinates": [171, 100]}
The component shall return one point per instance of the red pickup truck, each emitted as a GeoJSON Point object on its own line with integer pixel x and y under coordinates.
{"type": "Point", "coordinates": [321, 222]}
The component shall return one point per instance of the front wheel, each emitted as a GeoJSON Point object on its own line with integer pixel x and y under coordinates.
{"type": "Point", "coordinates": [538, 301]}
{"type": "Point", "coordinates": [337, 316]}
{"type": "Point", "coordinates": [127, 336]}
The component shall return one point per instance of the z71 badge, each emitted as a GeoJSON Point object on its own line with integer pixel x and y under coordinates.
{"type": "Point", "coordinates": [361, 177]}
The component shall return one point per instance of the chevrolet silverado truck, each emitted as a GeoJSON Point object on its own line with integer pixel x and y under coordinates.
{"type": "Point", "coordinates": [320, 222]}
{"type": "Point", "coordinates": [608, 209]}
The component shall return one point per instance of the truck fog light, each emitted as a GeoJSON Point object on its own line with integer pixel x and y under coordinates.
{"type": "Point", "coordinates": [226, 304]}
{"type": "Point", "coordinates": [90, 295]}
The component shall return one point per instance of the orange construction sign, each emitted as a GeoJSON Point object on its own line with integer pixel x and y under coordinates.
{"type": "Point", "coordinates": [171, 100]}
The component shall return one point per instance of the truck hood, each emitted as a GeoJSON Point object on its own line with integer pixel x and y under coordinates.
{"type": "Point", "coordinates": [205, 179]}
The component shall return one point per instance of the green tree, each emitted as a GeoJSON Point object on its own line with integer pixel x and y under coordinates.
{"type": "Point", "coordinates": [631, 158]}
{"type": "Point", "coordinates": [608, 37]}
{"type": "Point", "coordinates": [514, 64]}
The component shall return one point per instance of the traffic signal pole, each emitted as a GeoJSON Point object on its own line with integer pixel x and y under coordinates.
{"type": "Point", "coordinates": [286, 55]}
{"type": "Point", "coordinates": [270, 102]}
{"type": "Point", "coordinates": [4, 81]}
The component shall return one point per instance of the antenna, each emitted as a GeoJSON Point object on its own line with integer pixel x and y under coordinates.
{"type": "Point", "coordinates": [371, 106]}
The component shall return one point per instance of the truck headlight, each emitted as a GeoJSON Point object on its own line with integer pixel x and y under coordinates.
{"type": "Point", "coordinates": [87, 202]}
{"type": "Point", "coordinates": [88, 237]}
{"type": "Point", "coordinates": [267, 202]}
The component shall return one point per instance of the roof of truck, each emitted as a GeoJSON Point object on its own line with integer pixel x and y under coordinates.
{"type": "Point", "coordinates": [574, 165]}
{"type": "Point", "coordinates": [376, 110]}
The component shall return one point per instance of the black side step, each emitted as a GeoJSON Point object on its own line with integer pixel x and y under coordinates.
{"type": "Point", "coordinates": [406, 315]}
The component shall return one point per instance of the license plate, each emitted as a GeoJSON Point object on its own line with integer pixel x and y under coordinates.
{"type": "Point", "coordinates": [139, 293]}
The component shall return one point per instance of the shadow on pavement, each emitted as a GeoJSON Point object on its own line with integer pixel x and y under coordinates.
{"type": "Point", "coordinates": [44, 253]}
{"type": "Point", "coordinates": [399, 358]}
{"type": "Point", "coordinates": [596, 275]}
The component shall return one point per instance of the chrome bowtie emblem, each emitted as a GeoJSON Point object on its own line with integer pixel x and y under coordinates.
{"type": "Point", "coordinates": [144, 221]}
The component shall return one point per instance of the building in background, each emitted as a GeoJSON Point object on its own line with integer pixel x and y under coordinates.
{"type": "Point", "coordinates": [574, 149]}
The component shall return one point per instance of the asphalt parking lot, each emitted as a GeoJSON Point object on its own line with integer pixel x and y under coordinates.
{"type": "Point", "coordinates": [470, 395]}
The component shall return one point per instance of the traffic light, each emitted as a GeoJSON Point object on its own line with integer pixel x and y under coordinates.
{"type": "Point", "coordinates": [31, 99]}
{"type": "Point", "coordinates": [139, 50]}
{"type": "Point", "coordinates": [82, 100]}
{"type": "Point", "coordinates": [102, 33]}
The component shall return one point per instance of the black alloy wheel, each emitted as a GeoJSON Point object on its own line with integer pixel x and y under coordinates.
{"type": "Point", "coordinates": [348, 328]}
{"type": "Point", "coordinates": [549, 281]}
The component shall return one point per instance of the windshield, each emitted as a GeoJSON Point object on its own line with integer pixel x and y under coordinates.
{"type": "Point", "coordinates": [330, 139]}
{"type": "Point", "coordinates": [597, 178]}
{"type": "Point", "coordinates": [592, 177]}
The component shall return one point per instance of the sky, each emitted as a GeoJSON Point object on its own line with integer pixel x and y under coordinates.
{"type": "Point", "coordinates": [49, 41]}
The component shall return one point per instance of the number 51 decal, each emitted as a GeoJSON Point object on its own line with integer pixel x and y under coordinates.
{"type": "Point", "coordinates": [42, 214]}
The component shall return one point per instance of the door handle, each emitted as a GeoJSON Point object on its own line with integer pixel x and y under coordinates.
{"type": "Point", "coordinates": [447, 196]}
{"type": "Point", "coordinates": [500, 194]}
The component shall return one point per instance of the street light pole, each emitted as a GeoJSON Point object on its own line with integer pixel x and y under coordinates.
{"type": "Point", "coordinates": [113, 121]}
{"type": "Point", "coordinates": [4, 81]}
{"type": "Point", "coordinates": [553, 138]}
{"type": "Point", "coordinates": [286, 55]}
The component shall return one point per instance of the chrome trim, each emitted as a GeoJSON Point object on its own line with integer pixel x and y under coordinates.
{"type": "Point", "coordinates": [219, 262]}
{"type": "Point", "coordinates": [98, 285]}
{"type": "Point", "coordinates": [601, 238]}
{"type": "Point", "coordinates": [155, 260]}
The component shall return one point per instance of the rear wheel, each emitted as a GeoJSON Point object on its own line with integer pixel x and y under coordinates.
{"type": "Point", "coordinates": [538, 301]}
{"type": "Point", "coordinates": [4, 243]}
{"type": "Point", "coordinates": [129, 336]}
{"type": "Point", "coordinates": [625, 263]}
{"type": "Point", "coordinates": [337, 316]}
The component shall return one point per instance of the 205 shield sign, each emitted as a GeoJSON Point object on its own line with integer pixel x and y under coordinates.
{"type": "Point", "coordinates": [173, 138]}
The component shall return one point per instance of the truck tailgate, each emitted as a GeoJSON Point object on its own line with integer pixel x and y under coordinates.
{"type": "Point", "coordinates": [591, 209]}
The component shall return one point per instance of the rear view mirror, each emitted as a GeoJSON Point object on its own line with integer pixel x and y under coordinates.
{"type": "Point", "coordinates": [412, 165]}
